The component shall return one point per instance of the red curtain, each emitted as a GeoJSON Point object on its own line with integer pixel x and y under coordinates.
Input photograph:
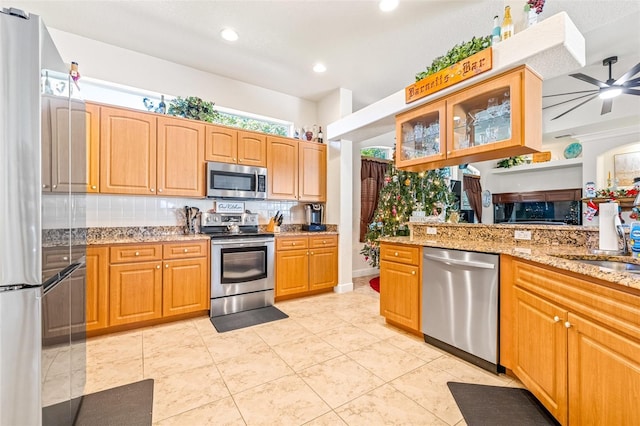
{"type": "Point", "coordinates": [371, 180]}
{"type": "Point", "coordinates": [473, 189]}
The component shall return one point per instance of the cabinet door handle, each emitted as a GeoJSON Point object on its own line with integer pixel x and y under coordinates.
{"type": "Point", "coordinates": [45, 186]}
{"type": "Point", "coordinates": [324, 242]}
{"type": "Point", "coordinates": [239, 160]}
{"type": "Point", "coordinates": [137, 253]}
{"type": "Point", "coordinates": [151, 189]}
{"type": "Point", "coordinates": [65, 258]}
{"type": "Point", "coordinates": [94, 187]}
{"type": "Point", "coordinates": [157, 266]}
{"type": "Point", "coordinates": [293, 244]}
{"type": "Point", "coordinates": [556, 319]}
{"type": "Point", "coordinates": [413, 272]}
{"type": "Point", "coordinates": [55, 186]}
{"type": "Point", "coordinates": [166, 266]}
{"type": "Point", "coordinates": [186, 250]}
{"type": "Point", "coordinates": [311, 253]}
{"type": "Point", "coordinates": [567, 324]}
{"type": "Point", "coordinates": [160, 190]}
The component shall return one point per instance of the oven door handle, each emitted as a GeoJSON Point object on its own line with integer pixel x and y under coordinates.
{"type": "Point", "coordinates": [241, 243]}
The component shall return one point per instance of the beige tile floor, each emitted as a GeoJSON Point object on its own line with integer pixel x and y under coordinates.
{"type": "Point", "coordinates": [333, 361]}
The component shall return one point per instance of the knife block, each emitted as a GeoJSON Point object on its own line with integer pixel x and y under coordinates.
{"type": "Point", "coordinates": [271, 225]}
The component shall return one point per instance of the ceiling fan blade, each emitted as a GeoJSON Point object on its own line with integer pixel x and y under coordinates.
{"type": "Point", "coordinates": [570, 100]}
{"type": "Point", "coordinates": [606, 106]}
{"type": "Point", "coordinates": [626, 76]}
{"type": "Point", "coordinates": [632, 83]}
{"type": "Point", "coordinates": [588, 79]}
{"type": "Point", "coordinates": [571, 93]}
{"type": "Point", "coordinates": [631, 91]}
{"type": "Point", "coordinates": [577, 106]}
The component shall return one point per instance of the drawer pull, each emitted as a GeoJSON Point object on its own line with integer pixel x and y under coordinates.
{"type": "Point", "coordinates": [311, 253]}
{"type": "Point", "coordinates": [186, 250]}
{"type": "Point", "coordinates": [324, 242]}
{"type": "Point", "coordinates": [293, 244]}
{"type": "Point", "coordinates": [157, 266]}
{"type": "Point", "coordinates": [166, 266]}
{"type": "Point", "coordinates": [137, 253]}
{"type": "Point", "coordinates": [395, 254]}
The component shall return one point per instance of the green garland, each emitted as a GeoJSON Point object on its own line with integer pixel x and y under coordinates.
{"type": "Point", "coordinates": [511, 161]}
{"type": "Point", "coordinates": [455, 55]}
{"type": "Point", "coordinates": [194, 108]}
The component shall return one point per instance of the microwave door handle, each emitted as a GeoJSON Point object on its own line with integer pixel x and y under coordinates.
{"type": "Point", "coordinates": [256, 184]}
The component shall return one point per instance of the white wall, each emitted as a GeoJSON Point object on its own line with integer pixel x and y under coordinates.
{"type": "Point", "coordinates": [110, 63]}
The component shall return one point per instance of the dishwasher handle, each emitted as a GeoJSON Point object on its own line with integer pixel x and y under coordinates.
{"type": "Point", "coordinates": [482, 265]}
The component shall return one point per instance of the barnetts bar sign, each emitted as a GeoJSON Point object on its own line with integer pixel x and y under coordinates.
{"type": "Point", "coordinates": [460, 71]}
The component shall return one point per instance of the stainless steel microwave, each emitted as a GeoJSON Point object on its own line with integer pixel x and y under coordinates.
{"type": "Point", "coordinates": [226, 180]}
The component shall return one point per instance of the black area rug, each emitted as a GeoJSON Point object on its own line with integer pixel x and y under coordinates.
{"type": "Point", "coordinates": [247, 318]}
{"type": "Point", "coordinates": [497, 405]}
{"type": "Point", "coordinates": [129, 405]}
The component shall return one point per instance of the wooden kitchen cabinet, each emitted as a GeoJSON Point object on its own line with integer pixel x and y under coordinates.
{"type": "Point", "coordinates": [312, 172]}
{"type": "Point", "coordinates": [76, 150]}
{"type": "Point", "coordinates": [306, 265]}
{"type": "Point", "coordinates": [282, 168]}
{"type": "Point", "coordinates": [180, 157]}
{"type": "Point", "coordinates": [496, 118]}
{"type": "Point", "coordinates": [401, 285]}
{"type": "Point", "coordinates": [573, 342]}
{"type": "Point", "coordinates": [297, 170]}
{"type": "Point", "coordinates": [135, 284]}
{"type": "Point", "coordinates": [97, 293]}
{"type": "Point", "coordinates": [227, 145]}
{"type": "Point", "coordinates": [185, 278]}
{"type": "Point", "coordinates": [127, 151]}
{"type": "Point", "coordinates": [157, 281]}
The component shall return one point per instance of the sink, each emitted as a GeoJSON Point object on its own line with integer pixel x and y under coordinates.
{"type": "Point", "coordinates": [616, 266]}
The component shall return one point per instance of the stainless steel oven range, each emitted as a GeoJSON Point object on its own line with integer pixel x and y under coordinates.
{"type": "Point", "coordinates": [242, 263]}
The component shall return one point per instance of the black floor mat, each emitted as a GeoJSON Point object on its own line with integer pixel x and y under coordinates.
{"type": "Point", "coordinates": [497, 405]}
{"type": "Point", "coordinates": [247, 318]}
{"type": "Point", "coordinates": [129, 405]}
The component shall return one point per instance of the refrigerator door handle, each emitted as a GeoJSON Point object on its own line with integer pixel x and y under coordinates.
{"type": "Point", "coordinates": [62, 275]}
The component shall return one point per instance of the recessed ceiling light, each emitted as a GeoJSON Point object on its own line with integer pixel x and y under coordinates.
{"type": "Point", "coordinates": [319, 67]}
{"type": "Point", "coordinates": [229, 34]}
{"type": "Point", "coordinates": [388, 5]}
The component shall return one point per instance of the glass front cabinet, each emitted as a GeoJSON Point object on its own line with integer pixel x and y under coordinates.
{"type": "Point", "coordinates": [496, 118]}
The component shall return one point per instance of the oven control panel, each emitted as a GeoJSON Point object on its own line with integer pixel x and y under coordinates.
{"type": "Point", "coordinates": [225, 219]}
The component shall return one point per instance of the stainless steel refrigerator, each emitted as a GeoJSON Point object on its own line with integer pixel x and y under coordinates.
{"type": "Point", "coordinates": [42, 229]}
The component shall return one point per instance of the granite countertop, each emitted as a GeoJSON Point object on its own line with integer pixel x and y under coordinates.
{"type": "Point", "coordinates": [148, 239]}
{"type": "Point", "coordinates": [559, 256]}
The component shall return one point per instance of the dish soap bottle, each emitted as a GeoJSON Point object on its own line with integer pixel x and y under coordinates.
{"type": "Point", "coordinates": [507, 24]}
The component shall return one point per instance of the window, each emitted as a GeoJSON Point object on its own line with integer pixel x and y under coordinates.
{"type": "Point", "coordinates": [382, 152]}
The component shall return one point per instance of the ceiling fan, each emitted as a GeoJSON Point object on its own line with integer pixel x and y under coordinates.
{"type": "Point", "coordinates": [605, 91]}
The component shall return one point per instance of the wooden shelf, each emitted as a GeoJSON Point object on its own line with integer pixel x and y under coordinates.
{"type": "Point", "coordinates": [548, 165]}
{"type": "Point", "coordinates": [624, 202]}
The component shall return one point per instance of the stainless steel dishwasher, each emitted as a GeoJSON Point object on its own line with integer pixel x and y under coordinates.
{"type": "Point", "coordinates": [460, 304]}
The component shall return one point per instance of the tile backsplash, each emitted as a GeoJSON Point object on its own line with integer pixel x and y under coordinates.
{"type": "Point", "coordinates": [128, 210]}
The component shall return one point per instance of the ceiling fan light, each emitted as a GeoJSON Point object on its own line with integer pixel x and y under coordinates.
{"type": "Point", "coordinates": [609, 93]}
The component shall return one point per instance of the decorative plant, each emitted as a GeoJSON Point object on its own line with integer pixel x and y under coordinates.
{"type": "Point", "coordinates": [511, 161]}
{"type": "Point", "coordinates": [534, 4]}
{"type": "Point", "coordinates": [455, 55]}
{"type": "Point", "coordinates": [194, 108]}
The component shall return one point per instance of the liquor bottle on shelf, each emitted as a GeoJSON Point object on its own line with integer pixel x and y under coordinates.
{"type": "Point", "coordinates": [507, 24]}
{"type": "Point", "coordinates": [320, 135]}
{"type": "Point", "coordinates": [162, 107]}
{"type": "Point", "coordinates": [495, 33]}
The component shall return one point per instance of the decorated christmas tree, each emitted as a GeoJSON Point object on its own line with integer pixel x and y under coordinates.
{"type": "Point", "coordinates": [402, 193]}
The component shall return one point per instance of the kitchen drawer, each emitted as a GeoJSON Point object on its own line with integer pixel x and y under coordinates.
{"type": "Point", "coordinates": [323, 241]}
{"type": "Point", "coordinates": [58, 257]}
{"type": "Point", "coordinates": [401, 254]}
{"type": "Point", "coordinates": [184, 250]}
{"type": "Point", "coordinates": [289, 243]}
{"type": "Point", "coordinates": [135, 253]}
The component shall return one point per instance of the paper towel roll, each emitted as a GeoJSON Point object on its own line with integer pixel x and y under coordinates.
{"type": "Point", "coordinates": [607, 231]}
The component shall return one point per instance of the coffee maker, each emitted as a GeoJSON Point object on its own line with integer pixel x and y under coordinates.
{"type": "Point", "coordinates": [314, 218]}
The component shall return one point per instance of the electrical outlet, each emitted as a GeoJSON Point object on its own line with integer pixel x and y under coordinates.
{"type": "Point", "coordinates": [522, 235]}
{"type": "Point", "coordinates": [431, 230]}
